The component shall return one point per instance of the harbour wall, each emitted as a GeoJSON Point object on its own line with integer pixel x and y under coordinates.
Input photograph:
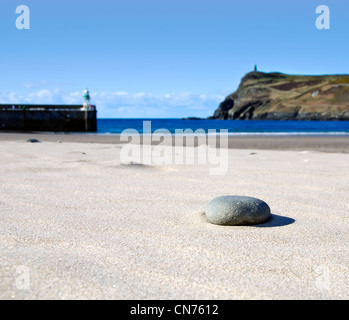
{"type": "Point", "coordinates": [48, 118]}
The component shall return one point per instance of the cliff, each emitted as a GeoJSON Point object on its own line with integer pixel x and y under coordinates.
{"type": "Point", "coordinates": [277, 96]}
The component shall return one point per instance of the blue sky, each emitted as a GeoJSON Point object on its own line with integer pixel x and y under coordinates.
{"type": "Point", "coordinates": [168, 58]}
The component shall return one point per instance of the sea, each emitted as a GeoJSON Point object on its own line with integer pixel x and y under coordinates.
{"type": "Point", "coordinates": [236, 127]}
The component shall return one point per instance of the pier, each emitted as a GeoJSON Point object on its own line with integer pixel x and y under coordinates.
{"type": "Point", "coordinates": [56, 118]}
{"type": "Point", "coordinates": [50, 118]}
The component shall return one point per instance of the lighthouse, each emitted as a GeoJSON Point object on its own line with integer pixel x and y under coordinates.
{"type": "Point", "coordinates": [87, 99]}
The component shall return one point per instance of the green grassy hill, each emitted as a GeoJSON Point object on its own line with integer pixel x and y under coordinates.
{"type": "Point", "coordinates": [277, 96]}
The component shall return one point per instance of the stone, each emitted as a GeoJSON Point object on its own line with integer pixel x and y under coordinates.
{"type": "Point", "coordinates": [237, 210]}
{"type": "Point", "coordinates": [33, 141]}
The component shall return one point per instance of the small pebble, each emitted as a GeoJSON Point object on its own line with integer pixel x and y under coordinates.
{"type": "Point", "coordinates": [33, 141]}
{"type": "Point", "coordinates": [237, 210]}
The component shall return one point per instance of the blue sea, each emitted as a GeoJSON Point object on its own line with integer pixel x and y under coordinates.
{"type": "Point", "coordinates": [236, 127]}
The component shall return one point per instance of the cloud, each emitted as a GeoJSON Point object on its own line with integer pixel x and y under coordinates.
{"type": "Point", "coordinates": [183, 104]}
{"type": "Point", "coordinates": [33, 85]}
{"type": "Point", "coordinates": [121, 104]}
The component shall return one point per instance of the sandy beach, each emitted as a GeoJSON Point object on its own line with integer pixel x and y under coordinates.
{"type": "Point", "coordinates": [77, 223]}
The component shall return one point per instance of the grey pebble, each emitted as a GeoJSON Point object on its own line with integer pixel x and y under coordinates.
{"type": "Point", "coordinates": [237, 210]}
{"type": "Point", "coordinates": [33, 141]}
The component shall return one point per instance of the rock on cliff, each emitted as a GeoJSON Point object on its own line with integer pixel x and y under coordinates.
{"type": "Point", "coordinates": [278, 96]}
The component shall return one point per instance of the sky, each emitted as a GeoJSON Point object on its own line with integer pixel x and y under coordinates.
{"type": "Point", "coordinates": [161, 59]}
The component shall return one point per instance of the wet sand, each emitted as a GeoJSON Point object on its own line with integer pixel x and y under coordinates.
{"type": "Point", "coordinates": [337, 144]}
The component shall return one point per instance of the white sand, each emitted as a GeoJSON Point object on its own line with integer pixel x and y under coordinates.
{"type": "Point", "coordinates": [83, 226]}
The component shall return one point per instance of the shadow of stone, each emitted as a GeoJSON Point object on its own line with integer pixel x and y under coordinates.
{"type": "Point", "coordinates": [276, 221]}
